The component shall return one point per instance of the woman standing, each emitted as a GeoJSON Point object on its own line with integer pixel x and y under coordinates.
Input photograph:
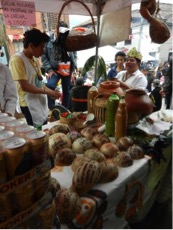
{"type": "Point", "coordinates": [132, 77]}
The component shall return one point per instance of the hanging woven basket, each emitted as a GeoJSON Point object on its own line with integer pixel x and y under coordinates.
{"type": "Point", "coordinates": [79, 41]}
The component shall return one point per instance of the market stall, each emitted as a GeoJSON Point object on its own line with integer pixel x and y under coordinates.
{"type": "Point", "coordinates": [129, 197]}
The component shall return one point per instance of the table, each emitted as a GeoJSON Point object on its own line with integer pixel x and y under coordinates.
{"type": "Point", "coordinates": [127, 199]}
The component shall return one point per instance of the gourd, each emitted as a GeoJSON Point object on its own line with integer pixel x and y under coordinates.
{"type": "Point", "coordinates": [78, 162]}
{"type": "Point", "coordinates": [81, 144]}
{"type": "Point", "coordinates": [88, 132]}
{"type": "Point", "coordinates": [109, 172]}
{"type": "Point", "coordinates": [86, 176]}
{"type": "Point", "coordinates": [109, 149]}
{"type": "Point", "coordinates": [59, 129]}
{"type": "Point", "coordinates": [123, 159]}
{"type": "Point", "coordinates": [99, 139]}
{"type": "Point", "coordinates": [95, 154]}
{"type": "Point", "coordinates": [67, 204]}
{"type": "Point", "coordinates": [58, 141]}
{"type": "Point", "coordinates": [64, 157]}
{"type": "Point", "coordinates": [136, 152]}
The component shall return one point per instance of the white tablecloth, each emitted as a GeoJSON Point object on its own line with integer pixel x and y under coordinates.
{"type": "Point", "coordinates": [112, 205]}
{"type": "Point", "coordinates": [102, 205]}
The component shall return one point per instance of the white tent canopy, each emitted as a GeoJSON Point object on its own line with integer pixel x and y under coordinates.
{"type": "Point", "coordinates": [148, 57]}
{"type": "Point", "coordinates": [113, 25]}
{"type": "Point", "coordinates": [107, 52]}
{"type": "Point", "coordinates": [76, 8]}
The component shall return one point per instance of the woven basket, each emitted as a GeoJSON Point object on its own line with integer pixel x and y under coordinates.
{"type": "Point", "coordinates": [79, 42]}
{"type": "Point", "coordinates": [100, 103]}
{"type": "Point", "coordinates": [65, 120]}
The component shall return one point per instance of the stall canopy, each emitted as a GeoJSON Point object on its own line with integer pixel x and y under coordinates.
{"type": "Point", "coordinates": [114, 15]}
{"type": "Point", "coordinates": [77, 9]}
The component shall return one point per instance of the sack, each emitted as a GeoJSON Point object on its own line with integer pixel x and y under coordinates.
{"type": "Point", "coordinates": [82, 41]}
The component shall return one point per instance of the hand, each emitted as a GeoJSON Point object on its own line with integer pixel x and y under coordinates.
{"type": "Point", "coordinates": [55, 94]}
{"type": "Point", "coordinates": [50, 74]}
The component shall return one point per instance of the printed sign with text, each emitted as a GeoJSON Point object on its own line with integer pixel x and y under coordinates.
{"type": "Point", "coordinates": [19, 13]}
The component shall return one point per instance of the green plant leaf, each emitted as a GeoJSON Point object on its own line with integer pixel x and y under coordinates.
{"type": "Point", "coordinates": [88, 64]}
{"type": "Point", "coordinates": [101, 70]}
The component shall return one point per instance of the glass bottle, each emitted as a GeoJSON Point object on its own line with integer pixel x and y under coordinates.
{"type": "Point", "coordinates": [92, 93]}
{"type": "Point", "coordinates": [121, 119]}
{"type": "Point", "coordinates": [111, 110]}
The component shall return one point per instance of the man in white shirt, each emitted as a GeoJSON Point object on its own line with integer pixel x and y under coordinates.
{"type": "Point", "coordinates": [8, 91]}
{"type": "Point", "coordinates": [132, 77]}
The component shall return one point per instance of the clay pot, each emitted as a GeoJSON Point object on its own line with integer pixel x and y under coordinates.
{"type": "Point", "coordinates": [137, 101]}
{"type": "Point", "coordinates": [110, 87]}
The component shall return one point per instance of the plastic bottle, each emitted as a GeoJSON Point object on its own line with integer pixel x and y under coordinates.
{"type": "Point", "coordinates": [121, 119]}
{"type": "Point", "coordinates": [111, 109]}
{"type": "Point", "coordinates": [92, 93]}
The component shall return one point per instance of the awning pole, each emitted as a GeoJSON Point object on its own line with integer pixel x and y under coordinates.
{"type": "Point", "coordinates": [98, 40]}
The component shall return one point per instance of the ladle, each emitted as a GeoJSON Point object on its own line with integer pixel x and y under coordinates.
{"type": "Point", "coordinates": [89, 117]}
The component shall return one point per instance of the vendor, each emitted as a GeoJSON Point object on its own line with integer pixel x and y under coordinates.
{"type": "Point", "coordinates": [132, 77]}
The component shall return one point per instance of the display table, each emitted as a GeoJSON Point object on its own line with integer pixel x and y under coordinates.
{"type": "Point", "coordinates": [114, 204]}
{"type": "Point", "coordinates": [125, 200]}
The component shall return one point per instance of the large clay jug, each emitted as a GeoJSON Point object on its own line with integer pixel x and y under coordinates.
{"type": "Point", "coordinates": [137, 101]}
{"type": "Point", "coordinates": [110, 87]}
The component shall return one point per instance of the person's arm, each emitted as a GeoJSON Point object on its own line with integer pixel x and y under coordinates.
{"type": "Point", "coordinates": [123, 84]}
{"type": "Point", "coordinates": [10, 93]}
{"type": "Point", "coordinates": [46, 62]}
{"type": "Point", "coordinates": [27, 87]}
{"type": "Point", "coordinates": [19, 74]}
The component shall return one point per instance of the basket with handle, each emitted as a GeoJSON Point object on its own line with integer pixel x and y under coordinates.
{"type": "Point", "coordinates": [82, 41]}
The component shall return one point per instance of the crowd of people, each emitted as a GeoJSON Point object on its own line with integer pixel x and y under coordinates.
{"type": "Point", "coordinates": [34, 87]}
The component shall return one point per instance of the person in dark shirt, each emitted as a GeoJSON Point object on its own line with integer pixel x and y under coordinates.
{"type": "Point", "coordinates": [167, 87]}
{"type": "Point", "coordinates": [156, 96]}
{"type": "Point", "coordinates": [120, 58]}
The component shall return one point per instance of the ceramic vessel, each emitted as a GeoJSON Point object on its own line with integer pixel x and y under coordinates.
{"type": "Point", "coordinates": [137, 101]}
{"type": "Point", "coordinates": [111, 87]}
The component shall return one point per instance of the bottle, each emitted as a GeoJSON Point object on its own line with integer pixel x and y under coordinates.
{"type": "Point", "coordinates": [38, 127]}
{"type": "Point", "coordinates": [111, 110]}
{"type": "Point", "coordinates": [121, 119]}
{"type": "Point", "coordinates": [92, 93]}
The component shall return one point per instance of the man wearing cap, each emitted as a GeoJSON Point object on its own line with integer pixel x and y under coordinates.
{"type": "Point", "coordinates": [59, 64]}
{"type": "Point", "coordinates": [132, 77]}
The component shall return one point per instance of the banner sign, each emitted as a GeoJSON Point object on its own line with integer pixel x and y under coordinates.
{"type": "Point", "coordinates": [19, 13]}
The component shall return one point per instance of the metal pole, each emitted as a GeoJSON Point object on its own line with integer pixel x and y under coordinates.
{"type": "Point", "coordinates": [140, 35]}
{"type": "Point", "coordinates": [98, 40]}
